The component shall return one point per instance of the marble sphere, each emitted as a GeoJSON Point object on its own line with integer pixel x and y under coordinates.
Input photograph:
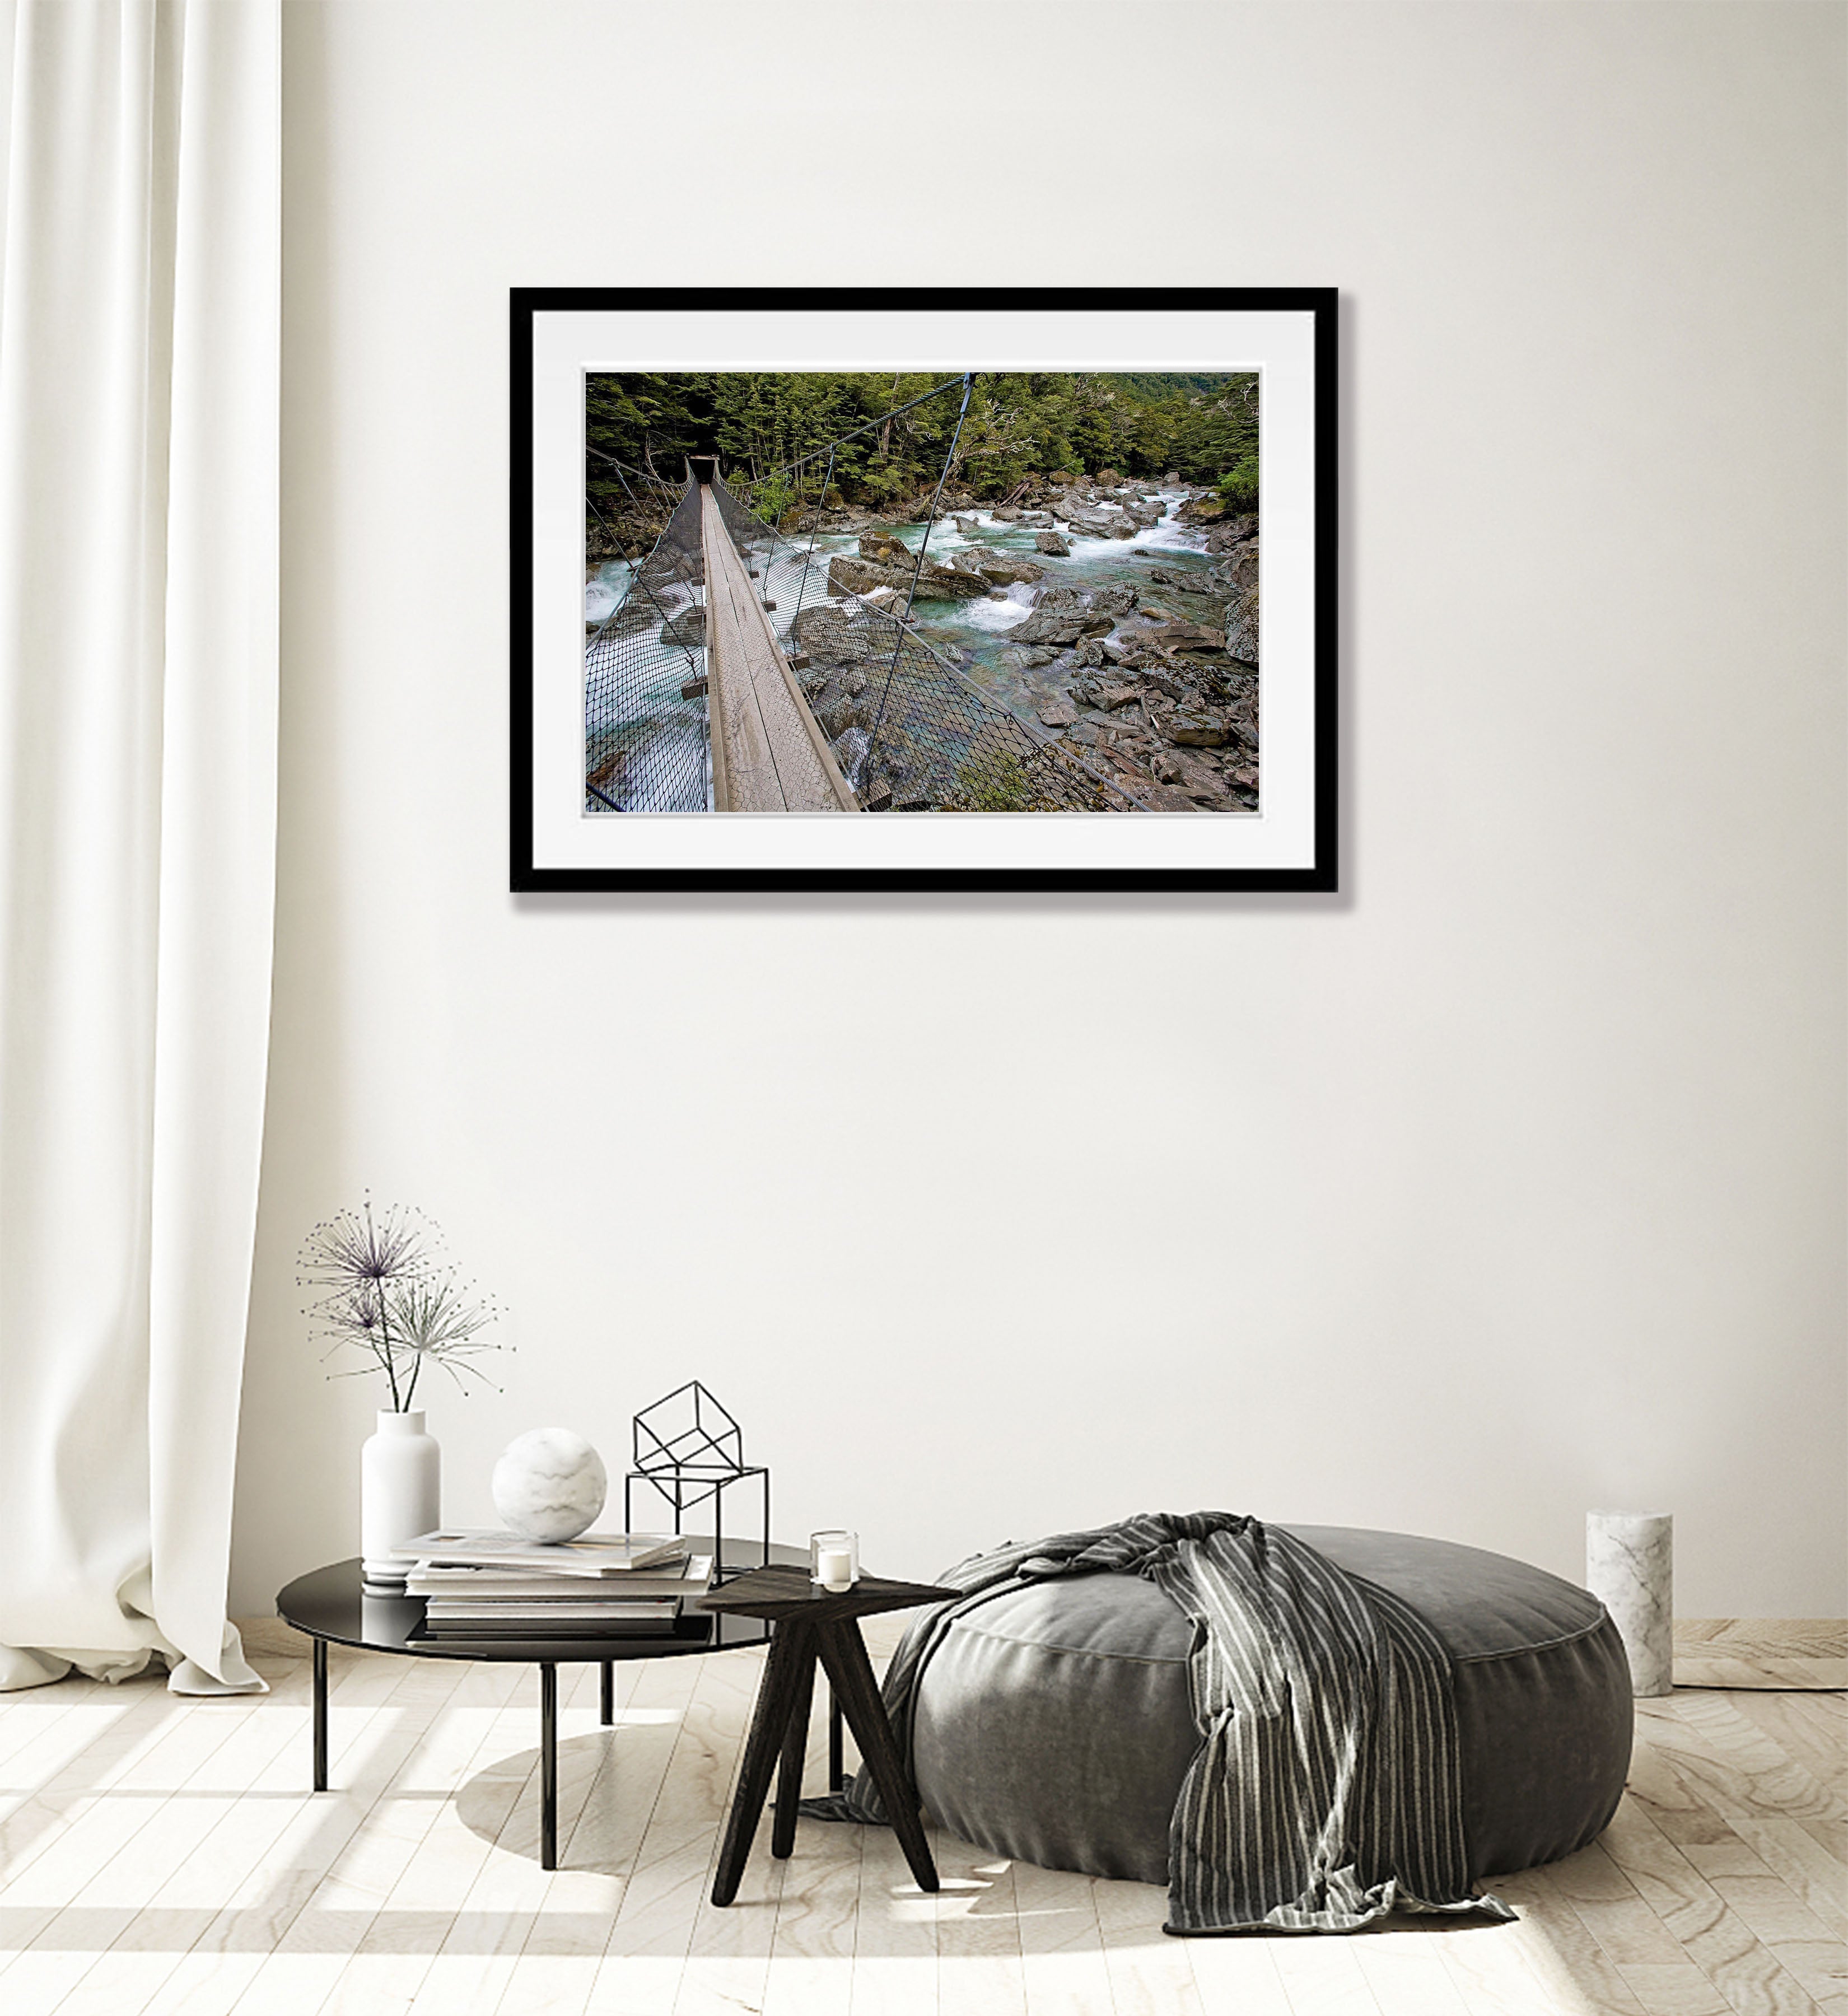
{"type": "Point", "coordinates": [550, 1484]}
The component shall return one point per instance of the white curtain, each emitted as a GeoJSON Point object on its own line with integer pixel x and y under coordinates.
{"type": "Point", "coordinates": [139, 381]}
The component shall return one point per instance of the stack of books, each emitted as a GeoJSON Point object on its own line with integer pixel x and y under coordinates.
{"type": "Point", "coordinates": [488, 1585]}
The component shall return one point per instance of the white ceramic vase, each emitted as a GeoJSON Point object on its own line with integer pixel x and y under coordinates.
{"type": "Point", "coordinates": [401, 1472]}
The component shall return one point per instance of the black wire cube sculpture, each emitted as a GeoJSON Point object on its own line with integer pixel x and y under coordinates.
{"type": "Point", "coordinates": [688, 1448]}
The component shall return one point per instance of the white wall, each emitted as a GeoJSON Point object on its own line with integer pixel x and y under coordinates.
{"type": "Point", "coordinates": [1509, 1183]}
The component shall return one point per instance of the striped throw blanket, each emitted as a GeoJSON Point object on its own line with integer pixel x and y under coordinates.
{"type": "Point", "coordinates": [1327, 1790]}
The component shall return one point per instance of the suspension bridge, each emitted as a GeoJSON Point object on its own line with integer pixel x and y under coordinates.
{"type": "Point", "coordinates": [734, 675]}
{"type": "Point", "coordinates": [768, 752]}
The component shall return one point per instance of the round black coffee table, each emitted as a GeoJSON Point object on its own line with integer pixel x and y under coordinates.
{"type": "Point", "coordinates": [331, 1606]}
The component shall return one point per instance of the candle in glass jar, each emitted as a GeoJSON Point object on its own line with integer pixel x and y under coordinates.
{"type": "Point", "coordinates": [834, 1541]}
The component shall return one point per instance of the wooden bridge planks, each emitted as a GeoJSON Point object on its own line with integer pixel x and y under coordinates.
{"type": "Point", "coordinates": [768, 753]}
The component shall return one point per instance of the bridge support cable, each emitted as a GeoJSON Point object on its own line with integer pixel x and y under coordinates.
{"type": "Point", "coordinates": [923, 547]}
{"type": "Point", "coordinates": [807, 566]}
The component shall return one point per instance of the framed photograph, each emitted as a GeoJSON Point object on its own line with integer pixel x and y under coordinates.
{"type": "Point", "coordinates": [923, 590]}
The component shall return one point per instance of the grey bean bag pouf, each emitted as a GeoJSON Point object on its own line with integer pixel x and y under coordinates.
{"type": "Point", "coordinates": [1053, 1725]}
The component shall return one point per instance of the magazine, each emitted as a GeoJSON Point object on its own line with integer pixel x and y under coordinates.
{"type": "Point", "coordinates": [590, 1553]}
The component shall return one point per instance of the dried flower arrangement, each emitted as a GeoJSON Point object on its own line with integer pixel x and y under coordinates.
{"type": "Point", "coordinates": [386, 1289]}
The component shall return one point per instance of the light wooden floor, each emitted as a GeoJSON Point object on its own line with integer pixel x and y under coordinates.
{"type": "Point", "coordinates": [164, 1855]}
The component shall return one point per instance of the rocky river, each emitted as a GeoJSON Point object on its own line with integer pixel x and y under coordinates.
{"type": "Point", "coordinates": [1119, 617]}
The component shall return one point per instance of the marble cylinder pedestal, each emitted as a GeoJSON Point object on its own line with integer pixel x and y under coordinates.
{"type": "Point", "coordinates": [1629, 1567]}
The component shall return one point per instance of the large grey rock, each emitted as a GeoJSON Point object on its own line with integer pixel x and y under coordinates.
{"type": "Point", "coordinates": [827, 634]}
{"type": "Point", "coordinates": [1244, 570]}
{"type": "Point", "coordinates": [885, 551]}
{"type": "Point", "coordinates": [1064, 612]}
{"type": "Point", "coordinates": [1197, 776]}
{"type": "Point", "coordinates": [1194, 727]}
{"type": "Point", "coordinates": [848, 576]}
{"type": "Point", "coordinates": [1167, 682]}
{"type": "Point", "coordinates": [1050, 626]}
{"type": "Point", "coordinates": [1241, 627]}
{"type": "Point", "coordinates": [1083, 514]}
{"type": "Point", "coordinates": [940, 582]}
{"type": "Point", "coordinates": [1055, 543]}
{"type": "Point", "coordinates": [838, 711]}
{"type": "Point", "coordinates": [1188, 580]}
{"type": "Point", "coordinates": [999, 568]}
{"type": "Point", "coordinates": [1186, 636]}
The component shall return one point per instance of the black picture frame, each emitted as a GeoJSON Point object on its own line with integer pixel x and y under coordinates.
{"type": "Point", "coordinates": [1315, 871]}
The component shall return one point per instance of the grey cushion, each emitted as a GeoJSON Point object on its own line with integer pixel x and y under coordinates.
{"type": "Point", "coordinates": [1054, 1724]}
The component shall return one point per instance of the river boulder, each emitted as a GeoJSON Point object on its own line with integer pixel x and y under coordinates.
{"type": "Point", "coordinates": [827, 634]}
{"type": "Point", "coordinates": [838, 711]}
{"type": "Point", "coordinates": [1063, 613]}
{"type": "Point", "coordinates": [1190, 581]}
{"type": "Point", "coordinates": [998, 567]}
{"type": "Point", "coordinates": [1232, 532]}
{"type": "Point", "coordinates": [1199, 776]}
{"type": "Point", "coordinates": [883, 550]}
{"type": "Point", "coordinates": [1178, 636]}
{"type": "Point", "coordinates": [1193, 726]}
{"type": "Point", "coordinates": [848, 576]}
{"type": "Point", "coordinates": [1241, 627]}
{"type": "Point", "coordinates": [1055, 543]}
{"type": "Point", "coordinates": [1050, 626]}
{"type": "Point", "coordinates": [948, 582]}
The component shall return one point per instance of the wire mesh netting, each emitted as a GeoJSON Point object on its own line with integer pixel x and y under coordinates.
{"type": "Point", "coordinates": [645, 747]}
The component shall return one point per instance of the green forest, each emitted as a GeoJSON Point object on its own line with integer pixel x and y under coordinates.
{"type": "Point", "coordinates": [771, 430]}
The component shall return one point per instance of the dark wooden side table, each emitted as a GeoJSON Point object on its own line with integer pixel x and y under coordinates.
{"type": "Point", "coordinates": [812, 1624]}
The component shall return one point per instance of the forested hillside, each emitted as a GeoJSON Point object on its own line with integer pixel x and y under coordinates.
{"type": "Point", "coordinates": [1201, 425]}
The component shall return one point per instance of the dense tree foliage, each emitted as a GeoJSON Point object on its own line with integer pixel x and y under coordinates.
{"type": "Point", "coordinates": [774, 429]}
